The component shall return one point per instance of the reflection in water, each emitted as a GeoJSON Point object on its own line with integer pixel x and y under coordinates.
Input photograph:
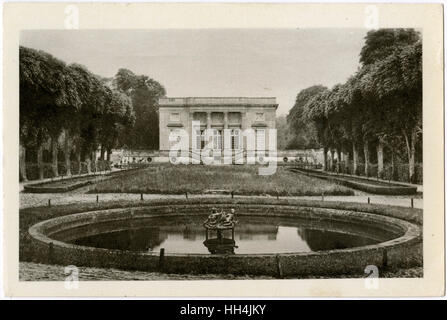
{"type": "Point", "coordinates": [320, 240]}
{"type": "Point", "coordinates": [252, 235]}
{"type": "Point", "coordinates": [220, 245]}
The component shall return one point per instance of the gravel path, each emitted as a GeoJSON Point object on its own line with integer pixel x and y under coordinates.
{"type": "Point", "coordinates": [38, 199]}
{"type": "Point", "coordinates": [29, 271]}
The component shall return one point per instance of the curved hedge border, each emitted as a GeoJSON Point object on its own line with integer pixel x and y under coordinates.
{"type": "Point", "coordinates": [405, 250]}
{"type": "Point", "coordinates": [46, 187]}
{"type": "Point", "coordinates": [361, 184]}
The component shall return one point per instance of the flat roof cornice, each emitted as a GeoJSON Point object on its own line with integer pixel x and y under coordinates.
{"type": "Point", "coordinates": [218, 101]}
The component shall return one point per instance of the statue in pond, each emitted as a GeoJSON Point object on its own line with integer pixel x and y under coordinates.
{"type": "Point", "coordinates": [220, 221]}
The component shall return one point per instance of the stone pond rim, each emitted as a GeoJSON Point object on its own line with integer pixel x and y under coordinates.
{"type": "Point", "coordinates": [405, 250]}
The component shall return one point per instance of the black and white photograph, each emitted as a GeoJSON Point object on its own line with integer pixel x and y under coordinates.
{"type": "Point", "coordinates": [187, 154]}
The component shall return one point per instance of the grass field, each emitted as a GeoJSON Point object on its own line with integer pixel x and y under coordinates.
{"type": "Point", "coordinates": [176, 179]}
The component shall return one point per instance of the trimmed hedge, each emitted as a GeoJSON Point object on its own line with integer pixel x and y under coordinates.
{"type": "Point", "coordinates": [371, 186]}
{"type": "Point", "coordinates": [72, 183]}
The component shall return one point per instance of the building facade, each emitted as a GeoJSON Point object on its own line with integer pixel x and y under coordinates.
{"type": "Point", "coordinates": [204, 120]}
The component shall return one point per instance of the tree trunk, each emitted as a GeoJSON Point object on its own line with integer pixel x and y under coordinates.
{"type": "Point", "coordinates": [412, 157]}
{"type": "Point", "coordinates": [392, 166]}
{"type": "Point", "coordinates": [67, 152]}
{"type": "Point", "coordinates": [93, 157]}
{"type": "Point", "coordinates": [355, 159]}
{"type": "Point", "coordinates": [22, 162]}
{"type": "Point", "coordinates": [411, 151]}
{"type": "Point", "coordinates": [366, 154]}
{"type": "Point", "coordinates": [338, 160]}
{"type": "Point", "coordinates": [109, 153]}
{"type": "Point", "coordinates": [39, 161]}
{"type": "Point", "coordinates": [103, 151]}
{"type": "Point", "coordinates": [78, 155]}
{"type": "Point", "coordinates": [325, 158]}
{"type": "Point", "coordinates": [89, 168]}
{"type": "Point", "coordinates": [332, 160]}
{"type": "Point", "coordinates": [347, 157]}
{"type": "Point", "coordinates": [54, 157]}
{"type": "Point", "coordinates": [380, 159]}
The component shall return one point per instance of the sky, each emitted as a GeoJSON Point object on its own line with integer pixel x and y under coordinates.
{"type": "Point", "coordinates": [214, 62]}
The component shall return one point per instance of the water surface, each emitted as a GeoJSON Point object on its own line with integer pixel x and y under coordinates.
{"type": "Point", "coordinates": [252, 235]}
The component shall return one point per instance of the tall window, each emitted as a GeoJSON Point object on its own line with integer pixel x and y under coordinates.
{"type": "Point", "coordinates": [217, 139]}
{"type": "Point", "coordinates": [235, 136]}
{"type": "Point", "coordinates": [174, 136]}
{"type": "Point", "coordinates": [260, 139]}
{"type": "Point", "coordinates": [200, 139]}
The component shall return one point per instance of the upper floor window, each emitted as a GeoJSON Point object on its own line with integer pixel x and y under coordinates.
{"type": "Point", "coordinates": [259, 116]}
{"type": "Point", "coordinates": [174, 117]}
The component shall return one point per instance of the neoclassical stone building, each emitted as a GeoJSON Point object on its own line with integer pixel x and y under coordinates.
{"type": "Point", "coordinates": [196, 114]}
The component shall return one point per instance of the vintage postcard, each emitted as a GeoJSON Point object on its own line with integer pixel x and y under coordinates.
{"type": "Point", "coordinates": [215, 150]}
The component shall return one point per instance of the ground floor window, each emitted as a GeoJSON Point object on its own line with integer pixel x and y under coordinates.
{"type": "Point", "coordinates": [174, 136]}
{"type": "Point", "coordinates": [200, 139]}
{"type": "Point", "coordinates": [217, 139]}
{"type": "Point", "coordinates": [235, 139]}
{"type": "Point", "coordinates": [260, 139]}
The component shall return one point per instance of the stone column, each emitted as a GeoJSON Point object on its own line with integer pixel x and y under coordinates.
{"type": "Point", "coordinates": [243, 120]}
{"type": "Point", "coordinates": [190, 129]}
{"type": "Point", "coordinates": [226, 138]}
{"type": "Point", "coordinates": [208, 119]}
{"type": "Point", "coordinates": [244, 140]}
{"type": "Point", "coordinates": [208, 134]}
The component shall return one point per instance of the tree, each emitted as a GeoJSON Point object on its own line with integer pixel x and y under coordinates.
{"type": "Point", "coordinates": [394, 86]}
{"type": "Point", "coordinates": [58, 101]}
{"type": "Point", "coordinates": [315, 110]}
{"type": "Point", "coordinates": [283, 132]}
{"type": "Point", "coordinates": [95, 98]}
{"type": "Point", "coordinates": [381, 43]}
{"type": "Point", "coordinates": [379, 106]}
{"type": "Point", "coordinates": [48, 99]}
{"type": "Point", "coordinates": [117, 116]}
{"type": "Point", "coordinates": [144, 93]}
{"type": "Point", "coordinates": [304, 131]}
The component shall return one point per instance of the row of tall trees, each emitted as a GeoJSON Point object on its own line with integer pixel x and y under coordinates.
{"type": "Point", "coordinates": [302, 131]}
{"type": "Point", "coordinates": [67, 100]}
{"type": "Point", "coordinates": [144, 93]}
{"type": "Point", "coordinates": [378, 108]}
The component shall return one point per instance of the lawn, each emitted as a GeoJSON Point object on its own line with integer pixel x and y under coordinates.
{"type": "Point", "coordinates": [176, 179]}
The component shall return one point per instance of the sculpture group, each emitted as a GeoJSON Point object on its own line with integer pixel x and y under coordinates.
{"type": "Point", "coordinates": [220, 220]}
